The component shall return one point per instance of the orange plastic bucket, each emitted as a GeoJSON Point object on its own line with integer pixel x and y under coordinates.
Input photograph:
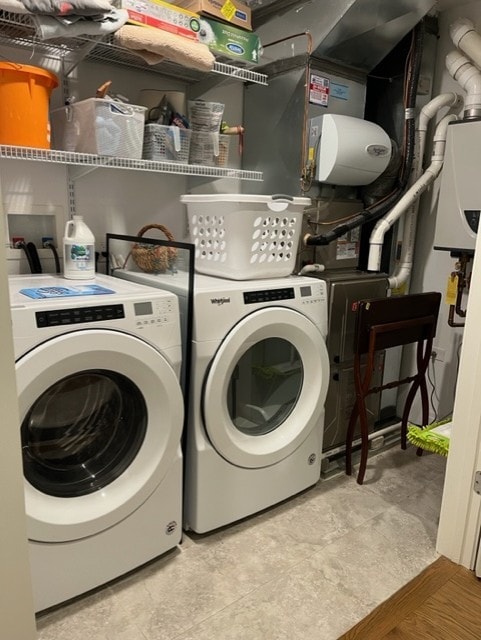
{"type": "Point", "coordinates": [24, 101]}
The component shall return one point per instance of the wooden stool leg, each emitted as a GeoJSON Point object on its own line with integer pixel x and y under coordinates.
{"type": "Point", "coordinates": [407, 409]}
{"type": "Point", "coordinates": [359, 409]}
{"type": "Point", "coordinates": [422, 360]}
{"type": "Point", "coordinates": [423, 364]}
{"type": "Point", "coordinates": [364, 440]}
{"type": "Point", "coordinates": [425, 408]}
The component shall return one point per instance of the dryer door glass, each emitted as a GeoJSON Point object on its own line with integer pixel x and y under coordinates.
{"type": "Point", "coordinates": [265, 386]}
{"type": "Point", "coordinates": [82, 433]}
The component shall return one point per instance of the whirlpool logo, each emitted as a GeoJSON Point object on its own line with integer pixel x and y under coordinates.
{"type": "Point", "coordinates": [219, 301]}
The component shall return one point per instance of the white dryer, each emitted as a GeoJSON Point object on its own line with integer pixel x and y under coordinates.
{"type": "Point", "coordinates": [101, 414]}
{"type": "Point", "coordinates": [259, 379]}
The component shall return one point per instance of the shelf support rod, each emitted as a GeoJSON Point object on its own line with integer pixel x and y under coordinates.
{"type": "Point", "coordinates": [71, 199]}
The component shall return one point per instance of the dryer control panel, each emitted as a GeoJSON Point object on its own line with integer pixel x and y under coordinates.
{"type": "Point", "coordinates": [269, 295]}
{"type": "Point", "coordinates": [305, 292]}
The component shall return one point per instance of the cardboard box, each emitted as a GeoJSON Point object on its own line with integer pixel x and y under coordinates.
{"type": "Point", "coordinates": [162, 15]}
{"type": "Point", "coordinates": [228, 41]}
{"type": "Point", "coordinates": [230, 11]}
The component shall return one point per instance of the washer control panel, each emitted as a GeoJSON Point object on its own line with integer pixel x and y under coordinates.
{"type": "Point", "coordinates": [144, 312]}
{"type": "Point", "coordinates": [149, 313]}
{"type": "Point", "coordinates": [79, 315]}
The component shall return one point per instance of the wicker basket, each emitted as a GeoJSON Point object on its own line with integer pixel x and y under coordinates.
{"type": "Point", "coordinates": [154, 258]}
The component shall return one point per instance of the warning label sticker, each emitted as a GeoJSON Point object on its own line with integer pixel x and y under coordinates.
{"type": "Point", "coordinates": [319, 90]}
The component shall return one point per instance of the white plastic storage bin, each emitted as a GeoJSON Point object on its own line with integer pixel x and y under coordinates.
{"type": "Point", "coordinates": [99, 126]}
{"type": "Point", "coordinates": [166, 143]}
{"type": "Point", "coordinates": [245, 237]}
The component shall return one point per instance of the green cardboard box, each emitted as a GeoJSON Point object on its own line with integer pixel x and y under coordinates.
{"type": "Point", "coordinates": [230, 42]}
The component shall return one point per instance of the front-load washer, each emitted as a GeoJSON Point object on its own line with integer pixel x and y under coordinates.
{"type": "Point", "coordinates": [101, 414]}
{"type": "Point", "coordinates": [259, 378]}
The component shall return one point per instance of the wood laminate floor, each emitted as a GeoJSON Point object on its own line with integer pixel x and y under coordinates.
{"type": "Point", "coordinates": [442, 603]}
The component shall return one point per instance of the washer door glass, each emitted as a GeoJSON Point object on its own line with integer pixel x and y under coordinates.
{"type": "Point", "coordinates": [82, 433]}
{"type": "Point", "coordinates": [101, 416]}
{"type": "Point", "coordinates": [265, 386]}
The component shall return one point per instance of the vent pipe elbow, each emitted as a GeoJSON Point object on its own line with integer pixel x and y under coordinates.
{"type": "Point", "coordinates": [469, 77]}
{"type": "Point", "coordinates": [451, 100]}
{"type": "Point", "coordinates": [466, 38]}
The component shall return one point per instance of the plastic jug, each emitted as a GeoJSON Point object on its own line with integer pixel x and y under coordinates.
{"type": "Point", "coordinates": [78, 250]}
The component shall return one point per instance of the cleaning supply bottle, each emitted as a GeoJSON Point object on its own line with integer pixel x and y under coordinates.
{"type": "Point", "coordinates": [78, 250]}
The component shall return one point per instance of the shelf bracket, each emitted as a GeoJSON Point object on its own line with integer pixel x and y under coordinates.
{"type": "Point", "coordinates": [76, 174]}
{"type": "Point", "coordinates": [81, 54]}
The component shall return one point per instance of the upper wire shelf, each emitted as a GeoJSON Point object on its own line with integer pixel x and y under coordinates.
{"type": "Point", "coordinates": [108, 162]}
{"type": "Point", "coordinates": [18, 30]}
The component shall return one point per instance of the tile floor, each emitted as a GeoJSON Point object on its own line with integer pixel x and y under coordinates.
{"type": "Point", "coordinates": [310, 567]}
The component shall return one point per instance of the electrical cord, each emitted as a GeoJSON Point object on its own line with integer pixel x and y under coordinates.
{"type": "Point", "coordinates": [433, 389]}
{"type": "Point", "coordinates": [37, 265]}
{"type": "Point", "coordinates": [53, 249]}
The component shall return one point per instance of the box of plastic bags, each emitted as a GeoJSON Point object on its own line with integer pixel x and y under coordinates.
{"type": "Point", "coordinates": [99, 126]}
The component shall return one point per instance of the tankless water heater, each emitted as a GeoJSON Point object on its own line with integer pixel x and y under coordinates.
{"type": "Point", "coordinates": [459, 206]}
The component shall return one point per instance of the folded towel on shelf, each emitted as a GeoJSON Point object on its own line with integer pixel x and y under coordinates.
{"type": "Point", "coordinates": [68, 7]}
{"type": "Point", "coordinates": [92, 8]}
{"type": "Point", "coordinates": [155, 45]}
{"type": "Point", "coordinates": [13, 6]}
{"type": "Point", "coordinates": [48, 27]}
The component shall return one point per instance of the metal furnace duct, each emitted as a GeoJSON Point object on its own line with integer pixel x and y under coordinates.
{"type": "Point", "coordinates": [353, 33]}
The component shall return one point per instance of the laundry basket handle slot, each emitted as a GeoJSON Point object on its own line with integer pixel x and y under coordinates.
{"type": "Point", "coordinates": [282, 196]}
{"type": "Point", "coordinates": [280, 202]}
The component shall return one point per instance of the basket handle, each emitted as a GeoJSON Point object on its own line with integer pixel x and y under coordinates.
{"type": "Point", "coordinates": [282, 196]}
{"type": "Point", "coordinates": [160, 227]}
{"type": "Point", "coordinates": [168, 234]}
{"type": "Point", "coordinates": [279, 202]}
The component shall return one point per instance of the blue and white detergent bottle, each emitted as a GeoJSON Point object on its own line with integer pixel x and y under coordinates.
{"type": "Point", "coordinates": [78, 250]}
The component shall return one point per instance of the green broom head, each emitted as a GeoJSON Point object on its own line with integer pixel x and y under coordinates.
{"type": "Point", "coordinates": [429, 440]}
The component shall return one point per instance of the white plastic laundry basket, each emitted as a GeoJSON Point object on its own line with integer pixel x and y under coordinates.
{"type": "Point", "coordinates": [245, 237]}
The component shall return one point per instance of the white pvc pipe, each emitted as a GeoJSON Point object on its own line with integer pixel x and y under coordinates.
{"type": "Point", "coordinates": [376, 240]}
{"type": "Point", "coordinates": [429, 110]}
{"type": "Point", "coordinates": [465, 37]}
{"type": "Point", "coordinates": [468, 76]}
{"type": "Point", "coordinates": [382, 227]}
{"type": "Point", "coordinates": [403, 270]}
{"type": "Point", "coordinates": [451, 100]}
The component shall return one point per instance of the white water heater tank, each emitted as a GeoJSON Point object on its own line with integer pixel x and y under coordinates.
{"type": "Point", "coordinates": [459, 205]}
{"type": "Point", "coordinates": [351, 151]}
